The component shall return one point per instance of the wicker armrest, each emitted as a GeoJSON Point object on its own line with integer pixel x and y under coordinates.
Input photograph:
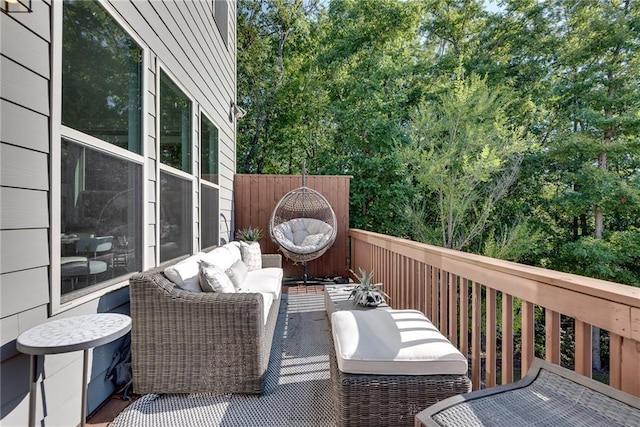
{"type": "Point", "coordinates": [271, 260]}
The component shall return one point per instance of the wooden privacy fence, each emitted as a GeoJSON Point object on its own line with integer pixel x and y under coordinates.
{"type": "Point", "coordinates": [257, 195]}
{"type": "Point", "coordinates": [465, 295]}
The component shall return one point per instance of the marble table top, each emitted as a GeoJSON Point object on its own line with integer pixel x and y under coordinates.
{"type": "Point", "coordinates": [74, 333]}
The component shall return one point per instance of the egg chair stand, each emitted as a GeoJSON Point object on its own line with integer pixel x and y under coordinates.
{"type": "Point", "coordinates": [303, 225]}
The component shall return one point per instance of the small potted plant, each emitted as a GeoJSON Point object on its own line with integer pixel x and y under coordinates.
{"type": "Point", "coordinates": [250, 248]}
{"type": "Point", "coordinates": [249, 234]}
{"type": "Point", "coordinates": [367, 294]}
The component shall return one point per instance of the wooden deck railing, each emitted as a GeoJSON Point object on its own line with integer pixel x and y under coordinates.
{"type": "Point", "coordinates": [463, 294]}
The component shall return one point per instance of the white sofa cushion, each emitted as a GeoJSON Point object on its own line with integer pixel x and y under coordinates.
{"type": "Point", "coordinates": [186, 273]}
{"type": "Point", "coordinates": [251, 255]}
{"type": "Point", "coordinates": [222, 257]}
{"type": "Point", "coordinates": [234, 249]}
{"type": "Point", "coordinates": [264, 280]}
{"type": "Point", "coordinates": [237, 273]}
{"type": "Point", "coordinates": [392, 342]}
{"type": "Point", "coordinates": [214, 279]}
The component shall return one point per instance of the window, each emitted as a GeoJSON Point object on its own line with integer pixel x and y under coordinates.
{"type": "Point", "coordinates": [176, 183]}
{"type": "Point", "coordinates": [175, 126]}
{"type": "Point", "coordinates": [102, 76]}
{"type": "Point", "coordinates": [100, 147]}
{"type": "Point", "coordinates": [175, 216]}
{"type": "Point", "coordinates": [208, 150]}
{"type": "Point", "coordinates": [209, 211]}
{"type": "Point", "coordinates": [101, 217]}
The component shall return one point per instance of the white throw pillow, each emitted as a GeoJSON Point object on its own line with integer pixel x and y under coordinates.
{"type": "Point", "coordinates": [312, 240]}
{"type": "Point", "coordinates": [238, 274]}
{"type": "Point", "coordinates": [186, 273]}
{"type": "Point", "coordinates": [251, 255]}
{"type": "Point", "coordinates": [213, 279]}
{"type": "Point", "coordinates": [221, 257]}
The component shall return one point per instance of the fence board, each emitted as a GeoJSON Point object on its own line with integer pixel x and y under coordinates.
{"type": "Point", "coordinates": [257, 195]}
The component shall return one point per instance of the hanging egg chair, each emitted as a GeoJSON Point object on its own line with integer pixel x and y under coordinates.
{"type": "Point", "coordinates": [303, 225]}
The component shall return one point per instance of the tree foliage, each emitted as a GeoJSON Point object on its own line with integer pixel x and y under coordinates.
{"type": "Point", "coordinates": [512, 132]}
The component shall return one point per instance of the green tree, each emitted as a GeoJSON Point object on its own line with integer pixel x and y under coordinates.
{"type": "Point", "coordinates": [598, 92]}
{"type": "Point", "coordinates": [368, 62]}
{"type": "Point", "coordinates": [464, 157]}
{"type": "Point", "coordinates": [275, 39]}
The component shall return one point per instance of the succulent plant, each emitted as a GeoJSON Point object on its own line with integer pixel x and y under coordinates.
{"type": "Point", "coordinates": [365, 293]}
{"type": "Point", "coordinates": [249, 234]}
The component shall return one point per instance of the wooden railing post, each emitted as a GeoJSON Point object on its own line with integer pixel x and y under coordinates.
{"type": "Point", "coordinates": [507, 339]}
{"type": "Point", "coordinates": [583, 354]}
{"type": "Point", "coordinates": [476, 323]}
{"type": "Point", "coordinates": [528, 337]}
{"type": "Point", "coordinates": [490, 346]}
{"type": "Point", "coordinates": [552, 336]}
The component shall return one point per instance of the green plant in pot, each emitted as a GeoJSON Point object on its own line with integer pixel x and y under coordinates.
{"type": "Point", "coordinates": [367, 294]}
{"type": "Point", "coordinates": [249, 234]}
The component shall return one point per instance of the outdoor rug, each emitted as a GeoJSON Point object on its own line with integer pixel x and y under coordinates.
{"type": "Point", "coordinates": [297, 387]}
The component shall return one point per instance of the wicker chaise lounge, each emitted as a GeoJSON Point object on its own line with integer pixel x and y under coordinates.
{"type": "Point", "coordinates": [548, 395]}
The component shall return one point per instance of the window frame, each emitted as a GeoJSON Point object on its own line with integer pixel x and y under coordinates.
{"type": "Point", "coordinates": [205, 182]}
{"type": "Point", "coordinates": [58, 132]}
{"type": "Point", "coordinates": [161, 167]}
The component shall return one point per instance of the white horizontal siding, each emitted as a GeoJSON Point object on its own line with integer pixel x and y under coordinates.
{"type": "Point", "coordinates": [180, 35]}
{"type": "Point", "coordinates": [23, 127]}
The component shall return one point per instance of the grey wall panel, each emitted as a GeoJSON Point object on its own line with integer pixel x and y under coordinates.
{"type": "Point", "coordinates": [14, 390]}
{"type": "Point", "coordinates": [23, 249]}
{"type": "Point", "coordinates": [23, 321]}
{"type": "Point", "coordinates": [8, 331]}
{"type": "Point", "coordinates": [151, 103]}
{"type": "Point", "coordinates": [151, 235]}
{"type": "Point", "coordinates": [24, 87]}
{"type": "Point", "coordinates": [23, 127]}
{"type": "Point", "coordinates": [151, 194]}
{"type": "Point", "coordinates": [36, 58]}
{"type": "Point", "coordinates": [14, 286]}
{"type": "Point", "coordinates": [21, 208]}
{"type": "Point", "coordinates": [38, 20]}
{"type": "Point", "coordinates": [151, 132]}
{"type": "Point", "coordinates": [22, 168]}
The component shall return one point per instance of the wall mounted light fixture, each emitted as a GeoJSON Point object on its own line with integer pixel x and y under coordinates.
{"type": "Point", "coordinates": [17, 6]}
{"type": "Point", "coordinates": [235, 111]}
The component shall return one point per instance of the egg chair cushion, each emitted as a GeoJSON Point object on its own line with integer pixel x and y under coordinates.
{"type": "Point", "coordinates": [303, 235]}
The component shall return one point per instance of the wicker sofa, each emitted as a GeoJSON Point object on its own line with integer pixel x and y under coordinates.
{"type": "Point", "coordinates": [196, 342]}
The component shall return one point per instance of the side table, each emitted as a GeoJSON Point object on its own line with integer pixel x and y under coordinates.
{"type": "Point", "coordinates": [66, 335]}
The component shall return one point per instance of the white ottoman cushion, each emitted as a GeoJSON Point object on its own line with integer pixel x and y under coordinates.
{"type": "Point", "coordinates": [393, 342]}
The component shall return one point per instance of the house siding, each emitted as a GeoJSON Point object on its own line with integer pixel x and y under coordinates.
{"type": "Point", "coordinates": [182, 38]}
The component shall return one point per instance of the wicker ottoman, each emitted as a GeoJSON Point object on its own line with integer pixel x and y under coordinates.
{"type": "Point", "coordinates": [388, 365]}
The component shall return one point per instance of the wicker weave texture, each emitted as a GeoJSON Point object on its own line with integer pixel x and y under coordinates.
{"type": "Point", "coordinates": [388, 400]}
{"type": "Point", "coordinates": [303, 202]}
{"type": "Point", "coordinates": [550, 400]}
{"type": "Point", "coordinates": [185, 342]}
{"type": "Point", "coordinates": [548, 395]}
